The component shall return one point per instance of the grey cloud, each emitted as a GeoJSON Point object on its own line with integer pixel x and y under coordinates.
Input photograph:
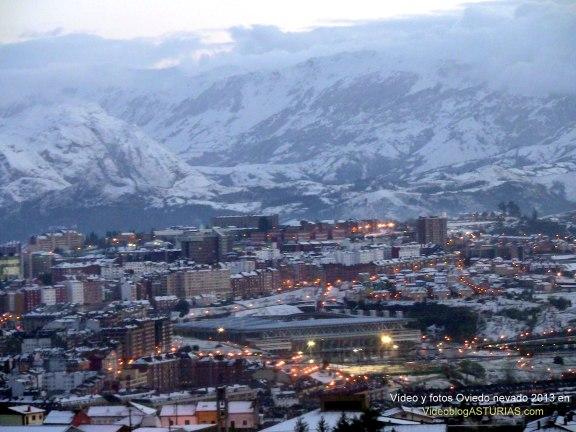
{"type": "Point", "coordinates": [82, 50]}
{"type": "Point", "coordinates": [523, 46]}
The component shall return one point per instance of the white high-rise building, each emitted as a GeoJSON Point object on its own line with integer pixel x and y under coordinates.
{"type": "Point", "coordinates": [75, 291]}
{"type": "Point", "coordinates": [128, 291]}
{"type": "Point", "coordinates": [48, 296]}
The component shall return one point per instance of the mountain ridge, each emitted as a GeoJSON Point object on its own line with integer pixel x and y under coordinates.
{"type": "Point", "coordinates": [332, 136]}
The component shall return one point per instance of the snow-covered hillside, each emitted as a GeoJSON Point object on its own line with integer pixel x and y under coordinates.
{"type": "Point", "coordinates": [78, 147]}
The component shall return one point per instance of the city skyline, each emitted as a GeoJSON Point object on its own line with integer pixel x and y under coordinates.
{"type": "Point", "coordinates": [307, 320]}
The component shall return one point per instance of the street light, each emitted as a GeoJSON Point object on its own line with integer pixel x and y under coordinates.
{"type": "Point", "coordinates": [386, 339]}
{"type": "Point", "coordinates": [310, 344]}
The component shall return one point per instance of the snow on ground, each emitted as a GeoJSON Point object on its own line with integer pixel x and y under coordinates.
{"type": "Point", "coordinates": [497, 326]}
{"type": "Point", "coordinates": [551, 320]}
{"type": "Point", "coordinates": [495, 304]}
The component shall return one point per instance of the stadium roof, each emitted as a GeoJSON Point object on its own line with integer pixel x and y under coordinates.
{"type": "Point", "coordinates": [258, 323]}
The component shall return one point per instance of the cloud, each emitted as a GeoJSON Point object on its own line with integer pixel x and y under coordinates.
{"type": "Point", "coordinates": [59, 31]}
{"type": "Point", "coordinates": [79, 50]}
{"type": "Point", "coordinates": [522, 46]}
{"type": "Point", "coordinates": [525, 46]}
{"type": "Point", "coordinates": [262, 39]}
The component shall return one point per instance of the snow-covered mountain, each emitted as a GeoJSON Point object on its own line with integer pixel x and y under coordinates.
{"type": "Point", "coordinates": [351, 134]}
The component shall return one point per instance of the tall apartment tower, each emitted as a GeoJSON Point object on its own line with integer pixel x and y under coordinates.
{"type": "Point", "coordinates": [260, 222]}
{"type": "Point", "coordinates": [207, 246]}
{"type": "Point", "coordinates": [432, 229]}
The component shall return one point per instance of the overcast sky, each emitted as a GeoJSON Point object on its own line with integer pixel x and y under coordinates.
{"type": "Point", "coordinates": [528, 46]}
{"type": "Point", "coordinates": [124, 19]}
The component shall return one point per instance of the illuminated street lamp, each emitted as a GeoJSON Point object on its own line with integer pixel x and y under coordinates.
{"type": "Point", "coordinates": [310, 345]}
{"type": "Point", "coordinates": [386, 339]}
